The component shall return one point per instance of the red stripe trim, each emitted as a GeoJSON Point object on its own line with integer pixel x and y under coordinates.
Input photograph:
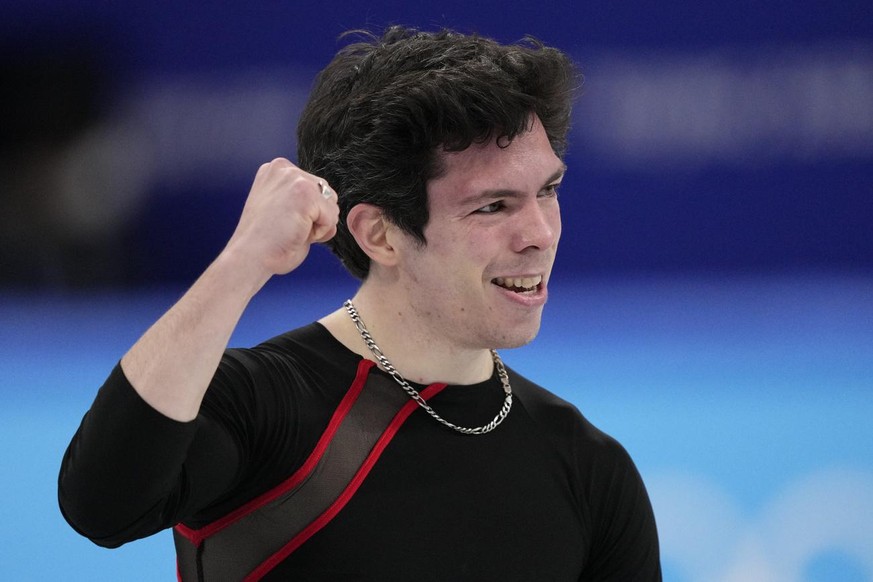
{"type": "Point", "coordinates": [197, 536]}
{"type": "Point", "coordinates": [344, 497]}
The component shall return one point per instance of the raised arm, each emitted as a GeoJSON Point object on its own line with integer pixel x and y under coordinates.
{"type": "Point", "coordinates": [137, 465]}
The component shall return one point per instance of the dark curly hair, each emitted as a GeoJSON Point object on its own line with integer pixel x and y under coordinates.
{"type": "Point", "coordinates": [383, 109]}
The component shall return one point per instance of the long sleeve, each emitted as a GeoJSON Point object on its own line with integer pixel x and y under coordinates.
{"type": "Point", "coordinates": [129, 471]}
{"type": "Point", "coordinates": [625, 547]}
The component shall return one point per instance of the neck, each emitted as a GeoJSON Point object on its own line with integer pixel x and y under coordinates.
{"type": "Point", "coordinates": [406, 342]}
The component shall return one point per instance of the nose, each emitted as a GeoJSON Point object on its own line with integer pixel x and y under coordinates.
{"type": "Point", "coordinates": [539, 225]}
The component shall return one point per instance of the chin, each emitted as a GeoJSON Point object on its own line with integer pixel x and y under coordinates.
{"type": "Point", "coordinates": [516, 338]}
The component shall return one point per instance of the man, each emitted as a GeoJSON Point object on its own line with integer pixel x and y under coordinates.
{"type": "Point", "coordinates": [387, 441]}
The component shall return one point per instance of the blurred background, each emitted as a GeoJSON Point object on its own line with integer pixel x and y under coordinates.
{"type": "Point", "coordinates": [713, 303]}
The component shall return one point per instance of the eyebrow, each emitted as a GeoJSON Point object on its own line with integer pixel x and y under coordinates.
{"type": "Point", "coordinates": [508, 193]}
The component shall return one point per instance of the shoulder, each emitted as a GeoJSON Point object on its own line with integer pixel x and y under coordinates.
{"type": "Point", "coordinates": [290, 358]}
{"type": "Point", "coordinates": [612, 497]}
{"type": "Point", "coordinates": [602, 467]}
{"type": "Point", "coordinates": [562, 420]}
{"type": "Point", "coordinates": [274, 401]}
{"type": "Point", "coordinates": [310, 341]}
{"type": "Point", "coordinates": [312, 338]}
{"type": "Point", "coordinates": [291, 380]}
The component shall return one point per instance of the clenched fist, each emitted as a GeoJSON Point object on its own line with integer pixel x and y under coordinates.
{"type": "Point", "coordinates": [286, 211]}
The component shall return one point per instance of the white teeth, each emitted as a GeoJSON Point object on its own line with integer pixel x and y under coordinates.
{"type": "Point", "coordinates": [525, 283]}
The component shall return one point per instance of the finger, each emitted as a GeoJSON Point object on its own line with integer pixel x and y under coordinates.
{"type": "Point", "coordinates": [323, 232]}
{"type": "Point", "coordinates": [325, 221]}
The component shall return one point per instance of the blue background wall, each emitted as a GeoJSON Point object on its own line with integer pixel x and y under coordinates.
{"type": "Point", "coordinates": [713, 308]}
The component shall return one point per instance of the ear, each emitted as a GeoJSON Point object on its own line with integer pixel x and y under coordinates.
{"type": "Point", "coordinates": [373, 233]}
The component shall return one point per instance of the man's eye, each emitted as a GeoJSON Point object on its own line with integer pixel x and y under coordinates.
{"type": "Point", "coordinates": [490, 208]}
{"type": "Point", "coordinates": [551, 190]}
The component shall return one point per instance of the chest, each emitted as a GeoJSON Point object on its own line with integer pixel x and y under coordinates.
{"type": "Point", "coordinates": [439, 506]}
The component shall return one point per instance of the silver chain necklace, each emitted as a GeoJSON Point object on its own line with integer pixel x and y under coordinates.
{"type": "Point", "coordinates": [413, 393]}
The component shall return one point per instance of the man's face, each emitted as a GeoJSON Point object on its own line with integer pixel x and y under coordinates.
{"type": "Point", "coordinates": [481, 279]}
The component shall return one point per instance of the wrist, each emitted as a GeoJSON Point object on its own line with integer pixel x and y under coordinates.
{"type": "Point", "coordinates": [240, 271]}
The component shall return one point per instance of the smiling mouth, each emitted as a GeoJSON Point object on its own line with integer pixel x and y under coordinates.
{"type": "Point", "coordinates": [519, 284]}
